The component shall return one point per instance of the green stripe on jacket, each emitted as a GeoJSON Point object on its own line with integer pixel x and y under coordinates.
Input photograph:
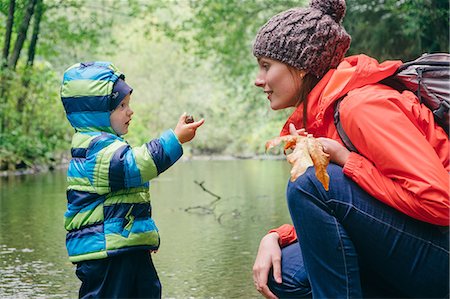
{"type": "Point", "coordinates": [145, 163]}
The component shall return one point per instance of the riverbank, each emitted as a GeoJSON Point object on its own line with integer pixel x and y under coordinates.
{"type": "Point", "coordinates": [63, 164]}
{"type": "Point", "coordinates": [32, 170]}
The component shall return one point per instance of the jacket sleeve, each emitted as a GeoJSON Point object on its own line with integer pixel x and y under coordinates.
{"type": "Point", "coordinates": [398, 164]}
{"type": "Point", "coordinates": [165, 151]}
{"type": "Point", "coordinates": [286, 234]}
{"type": "Point", "coordinates": [132, 167]}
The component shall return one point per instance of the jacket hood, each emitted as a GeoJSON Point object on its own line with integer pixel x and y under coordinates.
{"type": "Point", "coordinates": [353, 72]}
{"type": "Point", "coordinates": [86, 93]}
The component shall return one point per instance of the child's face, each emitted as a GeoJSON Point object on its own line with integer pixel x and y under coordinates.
{"type": "Point", "coordinates": [120, 117]}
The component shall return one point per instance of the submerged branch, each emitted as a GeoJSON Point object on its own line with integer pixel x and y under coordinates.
{"type": "Point", "coordinates": [210, 208]}
{"type": "Point", "coordinates": [207, 208]}
{"type": "Point", "coordinates": [200, 209]}
{"type": "Point", "coordinates": [206, 190]}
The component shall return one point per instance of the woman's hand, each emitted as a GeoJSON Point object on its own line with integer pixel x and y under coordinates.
{"type": "Point", "coordinates": [338, 153]}
{"type": "Point", "coordinates": [269, 256]}
{"type": "Point", "coordinates": [294, 131]}
{"type": "Point", "coordinates": [186, 132]}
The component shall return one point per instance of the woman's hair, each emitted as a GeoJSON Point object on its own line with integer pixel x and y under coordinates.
{"type": "Point", "coordinates": [306, 84]}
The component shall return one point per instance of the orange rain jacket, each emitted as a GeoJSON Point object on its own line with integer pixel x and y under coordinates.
{"type": "Point", "coordinates": [404, 154]}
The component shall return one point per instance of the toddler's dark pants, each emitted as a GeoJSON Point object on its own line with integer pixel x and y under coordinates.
{"type": "Point", "coordinates": [129, 275]}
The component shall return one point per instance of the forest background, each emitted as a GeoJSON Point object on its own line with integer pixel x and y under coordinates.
{"type": "Point", "coordinates": [179, 55]}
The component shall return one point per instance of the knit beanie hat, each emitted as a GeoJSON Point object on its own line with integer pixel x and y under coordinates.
{"type": "Point", "coordinates": [120, 90]}
{"type": "Point", "coordinates": [311, 39]}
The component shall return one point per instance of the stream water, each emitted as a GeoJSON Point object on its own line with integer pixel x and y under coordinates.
{"type": "Point", "coordinates": [206, 252]}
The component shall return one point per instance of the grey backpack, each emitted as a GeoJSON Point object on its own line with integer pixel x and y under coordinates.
{"type": "Point", "coordinates": [428, 77]}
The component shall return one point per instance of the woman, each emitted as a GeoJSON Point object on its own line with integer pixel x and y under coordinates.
{"type": "Point", "coordinates": [382, 228]}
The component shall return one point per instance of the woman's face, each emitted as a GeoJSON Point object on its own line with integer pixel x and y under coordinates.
{"type": "Point", "coordinates": [279, 83]}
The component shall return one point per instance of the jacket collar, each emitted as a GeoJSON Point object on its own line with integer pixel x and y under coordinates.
{"type": "Point", "coordinates": [353, 72]}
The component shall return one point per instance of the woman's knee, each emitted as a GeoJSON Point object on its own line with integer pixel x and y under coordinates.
{"type": "Point", "coordinates": [307, 193]}
{"type": "Point", "coordinates": [308, 183]}
{"type": "Point", "coordinates": [298, 191]}
{"type": "Point", "coordinates": [303, 183]}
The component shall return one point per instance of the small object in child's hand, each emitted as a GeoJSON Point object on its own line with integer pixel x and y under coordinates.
{"type": "Point", "coordinates": [189, 119]}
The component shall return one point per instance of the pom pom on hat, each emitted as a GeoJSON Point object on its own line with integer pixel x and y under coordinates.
{"type": "Point", "coordinates": [311, 38]}
{"type": "Point", "coordinates": [333, 8]}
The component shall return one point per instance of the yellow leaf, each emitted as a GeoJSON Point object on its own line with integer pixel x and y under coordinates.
{"type": "Point", "coordinates": [320, 160]}
{"type": "Point", "coordinates": [289, 141]}
{"type": "Point", "coordinates": [299, 159]}
{"type": "Point", "coordinates": [307, 152]}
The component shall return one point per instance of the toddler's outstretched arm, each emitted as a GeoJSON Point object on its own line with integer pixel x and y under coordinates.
{"type": "Point", "coordinates": [186, 132]}
{"type": "Point", "coordinates": [133, 166]}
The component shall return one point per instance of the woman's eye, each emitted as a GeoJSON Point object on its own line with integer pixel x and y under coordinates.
{"type": "Point", "coordinates": [265, 66]}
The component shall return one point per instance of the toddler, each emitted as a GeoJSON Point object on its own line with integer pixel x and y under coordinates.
{"type": "Point", "coordinates": [108, 218]}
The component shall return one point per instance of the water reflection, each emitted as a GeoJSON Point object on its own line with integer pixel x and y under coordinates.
{"type": "Point", "coordinates": [30, 279]}
{"type": "Point", "coordinates": [202, 255]}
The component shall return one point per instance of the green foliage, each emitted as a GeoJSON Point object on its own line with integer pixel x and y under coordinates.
{"type": "Point", "coordinates": [166, 83]}
{"type": "Point", "coordinates": [391, 29]}
{"type": "Point", "coordinates": [37, 131]}
{"type": "Point", "coordinates": [33, 129]}
{"type": "Point", "coordinates": [181, 55]}
{"type": "Point", "coordinates": [74, 29]}
{"type": "Point", "coordinates": [219, 31]}
{"type": "Point", "coordinates": [69, 29]}
{"type": "Point", "coordinates": [386, 29]}
{"type": "Point", "coordinates": [222, 32]}
{"type": "Point", "coordinates": [217, 37]}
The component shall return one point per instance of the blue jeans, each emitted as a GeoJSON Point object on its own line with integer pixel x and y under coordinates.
{"type": "Point", "coordinates": [352, 246]}
{"type": "Point", "coordinates": [128, 275]}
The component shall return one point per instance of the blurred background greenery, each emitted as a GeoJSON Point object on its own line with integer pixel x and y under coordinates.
{"type": "Point", "coordinates": [179, 55]}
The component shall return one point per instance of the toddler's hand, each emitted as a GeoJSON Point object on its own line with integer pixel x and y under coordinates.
{"type": "Point", "coordinates": [185, 132]}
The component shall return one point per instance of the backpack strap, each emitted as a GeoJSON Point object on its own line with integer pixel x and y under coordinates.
{"type": "Point", "coordinates": [438, 63]}
{"type": "Point", "coordinates": [337, 122]}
